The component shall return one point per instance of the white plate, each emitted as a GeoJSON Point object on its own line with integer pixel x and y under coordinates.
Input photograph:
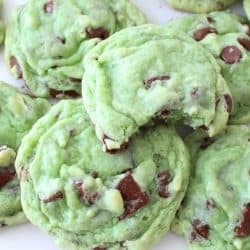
{"type": "Point", "coordinates": [28, 237]}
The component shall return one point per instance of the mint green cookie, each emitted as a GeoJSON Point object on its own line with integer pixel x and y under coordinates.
{"type": "Point", "coordinates": [215, 214]}
{"type": "Point", "coordinates": [46, 41]}
{"type": "Point", "coordinates": [87, 199]}
{"type": "Point", "coordinates": [18, 113]}
{"type": "Point", "coordinates": [226, 37]}
{"type": "Point", "coordinates": [247, 7]}
{"type": "Point", "coordinates": [146, 74]}
{"type": "Point", "coordinates": [200, 6]}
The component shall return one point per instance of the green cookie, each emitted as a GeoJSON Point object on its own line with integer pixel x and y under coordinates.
{"type": "Point", "coordinates": [18, 113]}
{"type": "Point", "coordinates": [146, 74]}
{"type": "Point", "coordinates": [231, 50]}
{"type": "Point", "coordinates": [46, 41]}
{"type": "Point", "coordinates": [87, 199]}
{"type": "Point", "coordinates": [215, 214]}
{"type": "Point", "coordinates": [247, 7]}
{"type": "Point", "coordinates": [200, 6]}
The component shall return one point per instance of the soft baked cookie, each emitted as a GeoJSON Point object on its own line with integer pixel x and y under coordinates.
{"type": "Point", "coordinates": [87, 199]}
{"type": "Point", "coordinates": [200, 6]}
{"type": "Point", "coordinates": [215, 213]}
{"type": "Point", "coordinates": [247, 7]}
{"type": "Point", "coordinates": [46, 41]}
{"type": "Point", "coordinates": [18, 113]}
{"type": "Point", "coordinates": [217, 32]}
{"type": "Point", "coordinates": [145, 74]}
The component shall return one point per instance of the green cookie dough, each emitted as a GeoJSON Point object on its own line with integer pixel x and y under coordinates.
{"type": "Point", "coordinates": [200, 6]}
{"type": "Point", "coordinates": [247, 7]}
{"type": "Point", "coordinates": [18, 113]}
{"type": "Point", "coordinates": [215, 214]}
{"type": "Point", "coordinates": [87, 199]}
{"type": "Point", "coordinates": [145, 74]}
{"type": "Point", "coordinates": [217, 32]}
{"type": "Point", "coordinates": [46, 41]}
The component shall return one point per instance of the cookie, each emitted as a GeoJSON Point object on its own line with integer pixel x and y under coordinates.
{"type": "Point", "coordinates": [227, 38]}
{"type": "Point", "coordinates": [146, 74]}
{"type": "Point", "coordinates": [215, 213]}
{"type": "Point", "coordinates": [18, 114]}
{"type": "Point", "coordinates": [247, 7]}
{"type": "Point", "coordinates": [87, 199]}
{"type": "Point", "coordinates": [200, 6]}
{"type": "Point", "coordinates": [46, 41]}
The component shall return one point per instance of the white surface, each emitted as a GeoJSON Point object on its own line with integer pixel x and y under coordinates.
{"type": "Point", "coordinates": [27, 237]}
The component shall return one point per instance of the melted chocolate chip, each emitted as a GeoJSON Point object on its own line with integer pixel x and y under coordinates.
{"type": "Point", "coordinates": [6, 175]}
{"type": "Point", "coordinates": [231, 55]}
{"type": "Point", "coordinates": [229, 103]}
{"type": "Point", "coordinates": [15, 64]}
{"type": "Point", "coordinates": [245, 43]}
{"type": "Point", "coordinates": [163, 179]}
{"type": "Point", "coordinates": [61, 93]}
{"type": "Point", "coordinates": [55, 197]}
{"type": "Point", "coordinates": [150, 82]}
{"type": "Point", "coordinates": [199, 230]}
{"type": "Point", "coordinates": [134, 198]}
{"type": "Point", "coordinates": [202, 33]}
{"type": "Point", "coordinates": [124, 146]}
{"type": "Point", "coordinates": [88, 197]}
{"type": "Point", "coordinates": [97, 33]}
{"type": "Point", "coordinates": [243, 228]}
{"type": "Point", "coordinates": [49, 7]}
{"type": "Point", "coordinates": [207, 141]}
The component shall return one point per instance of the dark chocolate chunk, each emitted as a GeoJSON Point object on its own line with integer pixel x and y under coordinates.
{"type": "Point", "coordinates": [134, 198]}
{"type": "Point", "coordinates": [200, 230]}
{"type": "Point", "coordinates": [245, 43]}
{"type": "Point", "coordinates": [97, 33]}
{"type": "Point", "coordinates": [61, 93]}
{"type": "Point", "coordinates": [243, 228]}
{"type": "Point", "coordinates": [231, 55]}
{"type": "Point", "coordinates": [150, 82]}
{"type": "Point", "coordinates": [6, 175]}
{"type": "Point", "coordinates": [55, 197]}
{"type": "Point", "coordinates": [15, 64]}
{"type": "Point", "coordinates": [163, 179]}
{"type": "Point", "coordinates": [202, 33]}
{"type": "Point", "coordinates": [88, 197]}
{"type": "Point", "coordinates": [229, 102]}
{"type": "Point", "coordinates": [49, 7]}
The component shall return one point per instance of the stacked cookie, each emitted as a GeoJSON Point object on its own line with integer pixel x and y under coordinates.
{"type": "Point", "coordinates": [109, 171]}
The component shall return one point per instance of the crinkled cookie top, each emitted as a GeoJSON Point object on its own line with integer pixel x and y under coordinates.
{"type": "Point", "coordinates": [88, 199]}
{"type": "Point", "coordinates": [146, 74]}
{"type": "Point", "coordinates": [47, 40]}
{"type": "Point", "coordinates": [216, 211]}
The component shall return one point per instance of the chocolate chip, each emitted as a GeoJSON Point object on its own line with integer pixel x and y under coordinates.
{"type": "Point", "coordinates": [231, 55]}
{"type": "Point", "coordinates": [245, 43]}
{"type": "Point", "coordinates": [134, 198]}
{"type": "Point", "coordinates": [55, 197]}
{"type": "Point", "coordinates": [6, 175]}
{"type": "Point", "coordinates": [210, 205]}
{"type": "Point", "coordinates": [163, 179]}
{"type": "Point", "coordinates": [150, 82]}
{"type": "Point", "coordinates": [199, 230]}
{"type": "Point", "coordinates": [207, 141]}
{"type": "Point", "coordinates": [202, 33]}
{"type": "Point", "coordinates": [97, 33]}
{"type": "Point", "coordinates": [49, 7]}
{"type": "Point", "coordinates": [15, 64]}
{"type": "Point", "coordinates": [75, 80]}
{"type": "Point", "coordinates": [99, 248]}
{"type": "Point", "coordinates": [88, 197]}
{"type": "Point", "coordinates": [243, 228]}
{"type": "Point", "coordinates": [124, 146]}
{"type": "Point", "coordinates": [61, 93]}
{"type": "Point", "coordinates": [229, 103]}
